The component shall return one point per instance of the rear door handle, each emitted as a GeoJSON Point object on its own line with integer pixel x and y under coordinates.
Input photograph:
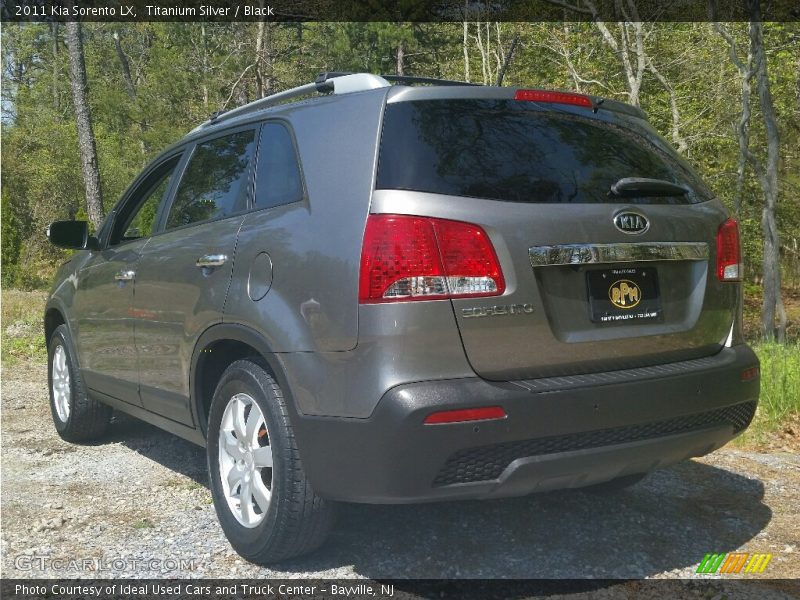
{"type": "Point", "coordinates": [125, 275]}
{"type": "Point", "coordinates": [211, 261]}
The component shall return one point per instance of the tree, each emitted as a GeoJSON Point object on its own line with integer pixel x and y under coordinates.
{"type": "Point", "coordinates": [83, 119]}
{"type": "Point", "coordinates": [766, 170]}
{"type": "Point", "coordinates": [151, 82]}
{"type": "Point", "coordinates": [768, 178]}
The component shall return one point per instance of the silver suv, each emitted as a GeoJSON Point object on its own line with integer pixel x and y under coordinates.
{"type": "Point", "coordinates": [369, 290]}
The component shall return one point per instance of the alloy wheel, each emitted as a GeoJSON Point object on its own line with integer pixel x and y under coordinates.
{"type": "Point", "coordinates": [245, 460]}
{"type": "Point", "coordinates": [62, 393]}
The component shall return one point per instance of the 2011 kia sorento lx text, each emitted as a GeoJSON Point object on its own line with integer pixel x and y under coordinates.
{"type": "Point", "coordinates": [369, 290]}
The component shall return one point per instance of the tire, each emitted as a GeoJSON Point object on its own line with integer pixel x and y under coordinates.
{"type": "Point", "coordinates": [76, 416]}
{"type": "Point", "coordinates": [616, 485]}
{"type": "Point", "coordinates": [249, 405]}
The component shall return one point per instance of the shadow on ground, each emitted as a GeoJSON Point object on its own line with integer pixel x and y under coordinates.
{"type": "Point", "coordinates": [174, 453]}
{"type": "Point", "coordinates": [667, 522]}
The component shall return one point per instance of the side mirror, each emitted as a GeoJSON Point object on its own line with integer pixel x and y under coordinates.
{"type": "Point", "coordinates": [72, 234]}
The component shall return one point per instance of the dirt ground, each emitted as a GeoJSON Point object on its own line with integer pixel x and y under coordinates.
{"type": "Point", "coordinates": [141, 494]}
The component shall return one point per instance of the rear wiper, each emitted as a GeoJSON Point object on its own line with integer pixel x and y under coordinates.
{"type": "Point", "coordinates": [641, 186]}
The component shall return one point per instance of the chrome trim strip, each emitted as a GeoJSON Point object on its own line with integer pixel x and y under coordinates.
{"type": "Point", "coordinates": [584, 254]}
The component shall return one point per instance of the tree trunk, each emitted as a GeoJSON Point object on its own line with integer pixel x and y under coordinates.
{"type": "Point", "coordinates": [483, 51]}
{"type": "Point", "coordinates": [204, 44]}
{"type": "Point", "coordinates": [773, 302]}
{"type": "Point", "coordinates": [260, 87]}
{"type": "Point", "coordinates": [743, 135]}
{"type": "Point", "coordinates": [797, 84]}
{"type": "Point", "coordinates": [743, 125]}
{"type": "Point", "coordinates": [677, 138]}
{"type": "Point", "coordinates": [83, 118]}
{"type": "Point", "coordinates": [399, 67]}
{"type": "Point", "coordinates": [125, 66]}
{"type": "Point", "coordinates": [264, 58]}
{"type": "Point", "coordinates": [507, 60]}
{"type": "Point", "coordinates": [56, 75]}
{"type": "Point", "coordinates": [466, 51]}
{"type": "Point", "coordinates": [627, 53]}
{"type": "Point", "coordinates": [130, 88]}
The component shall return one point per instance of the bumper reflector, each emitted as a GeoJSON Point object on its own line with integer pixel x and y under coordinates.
{"type": "Point", "coordinates": [465, 414]}
{"type": "Point", "coordinates": [750, 374]}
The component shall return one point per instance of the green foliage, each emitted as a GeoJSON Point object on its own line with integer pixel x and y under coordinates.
{"type": "Point", "coordinates": [780, 389]}
{"type": "Point", "coordinates": [11, 241]}
{"type": "Point", "coordinates": [780, 376]}
{"type": "Point", "coordinates": [182, 72]}
{"type": "Point", "coordinates": [21, 329]}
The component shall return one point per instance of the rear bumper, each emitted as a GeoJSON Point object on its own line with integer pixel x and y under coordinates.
{"type": "Point", "coordinates": [560, 432]}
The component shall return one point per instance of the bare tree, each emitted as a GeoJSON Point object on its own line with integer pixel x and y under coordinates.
{"type": "Point", "coordinates": [466, 45]}
{"type": "Point", "coordinates": [264, 58]}
{"type": "Point", "coordinates": [745, 69]}
{"type": "Point", "coordinates": [629, 47]}
{"type": "Point", "coordinates": [507, 59]}
{"type": "Point", "coordinates": [83, 118]}
{"type": "Point", "coordinates": [677, 137]}
{"type": "Point", "coordinates": [766, 172]}
{"type": "Point", "coordinates": [205, 69]}
{"type": "Point", "coordinates": [56, 74]}
{"type": "Point", "coordinates": [494, 59]}
{"type": "Point", "coordinates": [773, 301]}
{"type": "Point", "coordinates": [125, 66]}
{"type": "Point", "coordinates": [130, 87]}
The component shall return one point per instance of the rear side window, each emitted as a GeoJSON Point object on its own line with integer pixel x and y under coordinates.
{"type": "Point", "coordinates": [513, 151]}
{"type": "Point", "coordinates": [212, 185]}
{"type": "Point", "coordinates": [278, 173]}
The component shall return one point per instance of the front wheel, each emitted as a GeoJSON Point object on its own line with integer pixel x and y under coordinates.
{"type": "Point", "coordinates": [265, 504]}
{"type": "Point", "coordinates": [76, 416]}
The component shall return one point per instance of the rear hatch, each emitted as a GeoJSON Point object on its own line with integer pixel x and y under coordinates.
{"type": "Point", "coordinates": [594, 280]}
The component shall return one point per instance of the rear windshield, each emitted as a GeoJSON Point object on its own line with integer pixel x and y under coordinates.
{"type": "Point", "coordinates": [513, 151]}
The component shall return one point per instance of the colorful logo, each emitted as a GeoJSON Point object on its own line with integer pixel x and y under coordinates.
{"type": "Point", "coordinates": [734, 562]}
{"type": "Point", "coordinates": [624, 294]}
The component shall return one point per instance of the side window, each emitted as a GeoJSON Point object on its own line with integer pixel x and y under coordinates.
{"type": "Point", "coordinates": [138, 217]}
{"type": "Point", "coordinates": [278, 174]}
{"type": "Point", "coordinates": [212, 183]}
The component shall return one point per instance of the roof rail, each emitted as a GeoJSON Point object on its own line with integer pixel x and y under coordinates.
{"type": "Point", "coordinates": [324, 77]}
{"type": "Point", "coordinates": [331, 81]}
{"type": "Point", "coordinates": [344, 83]}
{"type": "Point", "coordinates": [430, 80]}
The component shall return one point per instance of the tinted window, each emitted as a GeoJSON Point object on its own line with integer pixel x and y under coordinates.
{"type": "Point", "coordinates": [278, 180]}
{"type": "Point", "coordinates": [509, 150]}
{"type": "Point", "coordinates": [138, 217]}
{"type": "Point", "coordinates": [211, 186]}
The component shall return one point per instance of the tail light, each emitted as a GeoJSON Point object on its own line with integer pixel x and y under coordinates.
{"type": "Point", "coordinates": [422, 258]}
{"type": "Point", "coordinates": [729, 253]}
{"type": "Point", "coordinates": [554, 97]}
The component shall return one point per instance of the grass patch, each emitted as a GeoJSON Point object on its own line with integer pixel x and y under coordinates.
{"type": "Point", "coordinates": [143, 524]}
{"type": "Point", "coordinates": [780, 387]}
{"type": "Point", "coordinates": [21, 326]}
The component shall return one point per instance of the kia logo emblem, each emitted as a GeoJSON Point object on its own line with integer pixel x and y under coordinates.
{"type": "Point", "coordinates": [631, 222]}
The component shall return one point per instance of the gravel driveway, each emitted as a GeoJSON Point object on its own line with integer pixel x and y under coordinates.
{"type": "Point", "coordinates": [142, 493]}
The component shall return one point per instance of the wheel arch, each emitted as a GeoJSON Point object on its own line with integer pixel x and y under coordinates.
{"type": "Point", "coordinates": [53, 317]}
{"type": "Point", "coordinates": [217, 348]}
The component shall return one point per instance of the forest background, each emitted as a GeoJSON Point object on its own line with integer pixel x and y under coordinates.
{"type": "Point", "coordinates": [86, 106]}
